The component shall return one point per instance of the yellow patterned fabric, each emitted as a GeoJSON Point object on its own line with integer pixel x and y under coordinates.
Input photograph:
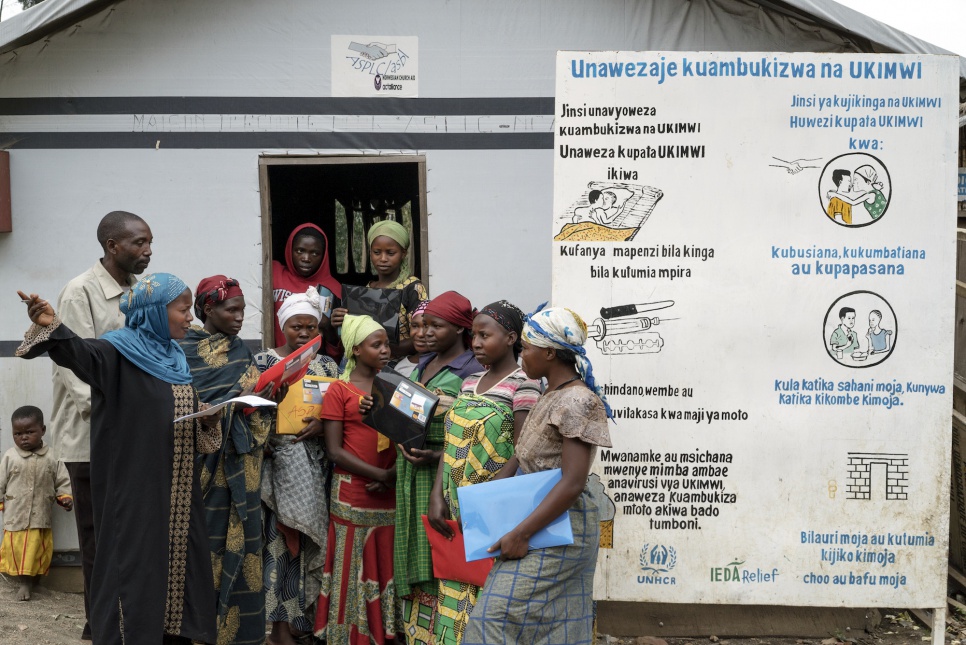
{"type": "Point", "coordinates": [479, 441]}
{"type": "Point", "coordinates": [182, 479]}
{"type": "Point", "coordinates": [26, 553]}
{"type": "Point", "coordinates": [417, 613]}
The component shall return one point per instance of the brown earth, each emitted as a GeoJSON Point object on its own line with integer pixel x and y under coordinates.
{"type": "Point", "coordinates": [56, 618]}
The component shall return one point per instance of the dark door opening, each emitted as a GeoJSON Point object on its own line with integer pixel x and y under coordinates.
{"type": "Point", "coordinates": [344, 196]}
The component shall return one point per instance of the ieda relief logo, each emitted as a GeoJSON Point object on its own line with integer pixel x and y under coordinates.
{"type": "Point", "coordinates": [656, 563]}
{"type": "Point", "coordinates": [736, 572]}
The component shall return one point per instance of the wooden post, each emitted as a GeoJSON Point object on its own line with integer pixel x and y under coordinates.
{"type": "Point", "coordinates": [6, 219]}
{"type": "Point", "coordinates": [268, 296]}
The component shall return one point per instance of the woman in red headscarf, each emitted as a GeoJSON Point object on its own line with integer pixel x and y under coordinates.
{"type": "Point", "coordinates": [221, 369]}
{"type": "Point", "coordinates": [306, 264]}
{"type": "Point", "coordinates": [447, 321]}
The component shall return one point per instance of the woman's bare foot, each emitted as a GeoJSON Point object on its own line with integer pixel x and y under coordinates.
{"type": "Point", "coordinates": [281, 635]}
{"type": "Point", "coordinates": [23, 592]}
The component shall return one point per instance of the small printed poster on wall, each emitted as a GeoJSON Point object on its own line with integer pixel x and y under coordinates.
{"type": "Point", "coordinates": [375, 66]}
{"type": "Point", "coordinates": [763, 248]}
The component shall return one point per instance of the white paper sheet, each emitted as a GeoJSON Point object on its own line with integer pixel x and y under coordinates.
{"type": "Point", "coordinates": [250, 400]}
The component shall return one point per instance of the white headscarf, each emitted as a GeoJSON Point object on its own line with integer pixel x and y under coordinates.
{"type": "Point", "coordinates": [308, 303]}
{"type": "Point", "coordinates": [561, 328]}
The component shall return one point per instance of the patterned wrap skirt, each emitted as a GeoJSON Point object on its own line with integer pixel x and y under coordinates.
{"type": "Point", "coordinates": [357, 601]}
{"type": "Point", "coordinates": [544, 598]}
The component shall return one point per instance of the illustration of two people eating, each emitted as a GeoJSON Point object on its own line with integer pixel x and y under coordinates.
{"type": "Point", "coordinates": [845, 341]}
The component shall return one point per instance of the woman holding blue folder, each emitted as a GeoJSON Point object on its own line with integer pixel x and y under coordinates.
{"type": "Point", "coordinates": [545, 596]}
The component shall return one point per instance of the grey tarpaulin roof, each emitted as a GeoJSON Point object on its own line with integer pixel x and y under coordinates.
{"type": "Point", "coordinates": [842, 18]}
{"type": "Point", "coordinates": [52, 16]}
{"type": "Point", "coordinates": [44, 19]}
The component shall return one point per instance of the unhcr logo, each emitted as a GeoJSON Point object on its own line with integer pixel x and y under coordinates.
{"type": "Point", "coordinates": [656, 562]}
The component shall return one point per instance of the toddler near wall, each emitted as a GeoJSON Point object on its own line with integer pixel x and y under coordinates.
{"type": "Point", "coordinates": [30, 479]}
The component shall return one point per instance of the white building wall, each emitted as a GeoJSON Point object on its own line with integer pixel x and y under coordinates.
{"type": "Point", "coordinates": [488, 209]}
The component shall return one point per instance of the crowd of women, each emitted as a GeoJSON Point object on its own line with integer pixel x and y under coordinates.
{"type": "Point", "coordinates": [320, 533]}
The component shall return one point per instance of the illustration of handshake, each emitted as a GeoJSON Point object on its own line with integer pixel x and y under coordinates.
{"type": "Point", "coordinates": [373, 51]}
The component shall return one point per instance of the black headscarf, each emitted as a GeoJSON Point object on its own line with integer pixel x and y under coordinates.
{"type": "Point", "coordinates": [508, 316]}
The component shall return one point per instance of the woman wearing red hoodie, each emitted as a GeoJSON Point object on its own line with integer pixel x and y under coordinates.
{"type": "Point", "coordinates": [306, 265]}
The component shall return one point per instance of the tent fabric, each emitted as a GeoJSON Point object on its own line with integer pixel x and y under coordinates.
{"type": "Point", "coordinates": [44, 19]}
{"type": "Point", "coordinates": [792, 25]}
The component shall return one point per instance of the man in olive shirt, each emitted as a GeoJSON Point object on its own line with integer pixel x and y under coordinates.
{"type": "Point", "coordinates": [89, 305]}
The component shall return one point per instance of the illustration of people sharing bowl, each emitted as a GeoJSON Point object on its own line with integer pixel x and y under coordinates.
{"type": "Point", "coordinates": [860, 329]}
{"type": "Point", "coordinates": [855, 189]}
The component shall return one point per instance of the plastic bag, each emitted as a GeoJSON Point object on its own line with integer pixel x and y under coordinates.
{"type": "Point", "coordinates": [381, 304]}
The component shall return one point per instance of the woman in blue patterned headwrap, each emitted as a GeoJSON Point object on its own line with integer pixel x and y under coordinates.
{"type": "Point", "coordinates": [544, 596]}
{"type": "Point", "coordinates": [152, 578]}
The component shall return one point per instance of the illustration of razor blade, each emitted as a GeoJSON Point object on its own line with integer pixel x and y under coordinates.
{"type": "Point", "coordinates": [627, 336]}
{"type": "Point", "coordinates": [647, 342]}
{"type": "Point", "coordinates": [621, 311]}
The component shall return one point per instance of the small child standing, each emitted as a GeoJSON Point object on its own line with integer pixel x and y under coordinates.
{"type": "Point", "coordinates": [30, 479]}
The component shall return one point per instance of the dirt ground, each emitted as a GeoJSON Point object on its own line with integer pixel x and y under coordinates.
{"type": "Point", "coordinates": [55, 618]}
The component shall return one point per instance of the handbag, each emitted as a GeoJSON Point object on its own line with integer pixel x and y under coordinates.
{"type": "Point", "coordinates": [401, 409]}
{"type": "Point", "coordinates": [381, 304]}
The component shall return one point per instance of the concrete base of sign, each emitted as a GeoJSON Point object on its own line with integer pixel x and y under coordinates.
{"type": "Point", "coordinates": [64, 579]}
{"type": "Point", "coordinates": [667, 619]}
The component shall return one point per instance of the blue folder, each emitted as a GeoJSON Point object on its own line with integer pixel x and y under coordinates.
{"type": "Point", "coordinates": [490, 510]}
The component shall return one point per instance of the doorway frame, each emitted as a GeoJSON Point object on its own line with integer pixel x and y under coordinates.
{"type": "Point", "coordinates": [265, 162]}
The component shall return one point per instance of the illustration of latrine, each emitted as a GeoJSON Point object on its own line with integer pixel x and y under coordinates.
{"type": "Point", "coordinates": [896, 474]}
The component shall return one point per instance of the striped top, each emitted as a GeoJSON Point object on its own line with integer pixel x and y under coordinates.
{"type": "Point", "coordinates": [515, 390]}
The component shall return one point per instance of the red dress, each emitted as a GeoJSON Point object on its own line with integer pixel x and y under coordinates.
{"type": "Point", "coordinates": [358, 596]}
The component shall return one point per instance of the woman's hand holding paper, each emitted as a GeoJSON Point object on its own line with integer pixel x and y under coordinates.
{"type": "Point", "coordinates": [437, 513]}
{"type": "Point", "coordinates": [512, 546]}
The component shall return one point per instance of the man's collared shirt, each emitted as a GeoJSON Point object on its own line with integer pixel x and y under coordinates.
{"type": "Point", "coordinates": [90, 306]}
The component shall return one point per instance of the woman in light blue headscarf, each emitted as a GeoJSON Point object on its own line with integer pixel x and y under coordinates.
{"type": "Point", "coordinates": [152, 578]}
{"type": "Point", "coordinates": [544, 595]}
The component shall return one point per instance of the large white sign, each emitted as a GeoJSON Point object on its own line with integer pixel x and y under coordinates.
{"type": "Point", "coordinates": [763, 248]}
{"type": "Point", "coordinates": [375, 66]}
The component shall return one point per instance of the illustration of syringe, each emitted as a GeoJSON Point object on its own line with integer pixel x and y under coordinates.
{"type": "Point", "coordinates": [634, 332]}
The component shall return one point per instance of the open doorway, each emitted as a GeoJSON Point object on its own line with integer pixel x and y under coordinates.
{"type": "Point", "coordinates": [344, 196]}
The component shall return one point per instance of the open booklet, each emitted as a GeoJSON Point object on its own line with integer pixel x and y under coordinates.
{"type": "Point", "coordinates": [250, 401]}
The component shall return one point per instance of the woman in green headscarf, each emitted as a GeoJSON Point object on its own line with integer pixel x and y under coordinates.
{"type": "Point", "coordinates": [389, 255]}
{"type": "Point", "coordinates": [358, 595]}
